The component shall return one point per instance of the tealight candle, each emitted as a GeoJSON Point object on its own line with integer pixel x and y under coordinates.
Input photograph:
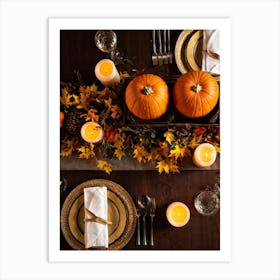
{"type": "Point", "coordinates": [204, 155]}
{"type": "Point", "coordinates": [106, 72]}
{"type": "Point", "coordinates": [178, 214]}
{"type": "Point", "coordinates": [92, 132]}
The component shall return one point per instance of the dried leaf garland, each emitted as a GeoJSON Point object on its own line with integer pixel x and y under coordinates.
{"type": "Point", "coordinates": [166, 147]}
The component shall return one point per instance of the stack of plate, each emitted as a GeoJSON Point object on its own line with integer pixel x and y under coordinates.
{"type": "Point", "coordinates": [188, 50]}
{"type": "Point", "coordinates": [121, 212]}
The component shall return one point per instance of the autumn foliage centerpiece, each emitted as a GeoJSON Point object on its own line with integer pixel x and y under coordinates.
{"type": "Point", "coordinates": [165, 146]}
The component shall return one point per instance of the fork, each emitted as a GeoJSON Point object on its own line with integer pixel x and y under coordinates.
{"type": "Point", "coordinates": [152, 215]}
{"type": "Point", "coordinates": [154, 55]}
{"type": "Point", "coordinates": [169, 54]}
{"type": "Point", "coordinates": [164, 54]}
{"type": "Point", "coordinates": [160, 57]}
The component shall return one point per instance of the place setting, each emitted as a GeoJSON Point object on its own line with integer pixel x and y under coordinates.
{"type": "Point", "coordinates": [98, 214]}
{"type": "Point", "coordinates": [139, 140]}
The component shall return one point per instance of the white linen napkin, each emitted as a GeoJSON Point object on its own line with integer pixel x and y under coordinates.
{"type": "Point", "coordinates": [211, 41]}
{"type": "Point", "coordinates": [95, 200]}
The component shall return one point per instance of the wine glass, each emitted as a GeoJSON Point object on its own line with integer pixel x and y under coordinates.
{"type": "Point", "coordinates": [106, 41]}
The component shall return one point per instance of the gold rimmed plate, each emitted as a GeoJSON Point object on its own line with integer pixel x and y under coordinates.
{"type": "Point", "coordinates": [188, 50]}
{"type": "Point", "coordinates": [121, 212]}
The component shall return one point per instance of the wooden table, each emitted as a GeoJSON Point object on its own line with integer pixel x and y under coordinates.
{"type": "Point", "coordinates": [201, 233]}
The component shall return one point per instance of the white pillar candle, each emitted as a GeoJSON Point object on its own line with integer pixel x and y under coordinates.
{"type": "Point", "coordinates": [204, 155]}
{"type": "Point", "coordinates": [92, 132]}
{"type": "Point", "coordinates": [106, 72]}
{"type": "Point", "coordinates": [178, 214]}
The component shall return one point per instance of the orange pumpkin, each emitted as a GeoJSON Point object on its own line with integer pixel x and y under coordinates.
{"type": "Point", "coordinates": [195, 94]}
{"type": "Point", "coordinates": [61, 118]}
{"type": "Point", "coordinates": [147, 96]}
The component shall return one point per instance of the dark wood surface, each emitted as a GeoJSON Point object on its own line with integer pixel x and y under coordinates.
{"type": "Point", "coordinates": [78, 51]}
{"type": "Point", "coordinates": [201, 233]}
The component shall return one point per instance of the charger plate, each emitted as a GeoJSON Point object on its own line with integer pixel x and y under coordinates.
{"type": "Point", "coordinates": [121, 212]}
{"type": "Point", "coordinates": [188, 50]}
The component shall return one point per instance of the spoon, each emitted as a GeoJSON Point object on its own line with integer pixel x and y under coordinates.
{"type": "Point", "coordinates": [144, 204]}
{"type": "Point", "coordinates": [138, 214]}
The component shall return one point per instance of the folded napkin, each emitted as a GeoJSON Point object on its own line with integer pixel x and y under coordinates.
{"type": "Point", "coordinates": [95, 200]}
{"type": "Point", "coordinates": [211, 51]}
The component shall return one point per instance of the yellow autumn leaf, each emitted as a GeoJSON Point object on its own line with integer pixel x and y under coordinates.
{"type": "Point", "coordinates": [93, 88]}
{"type": "Point", "coordinates": [115, 111]}
{"type": "Point", "coordinates": [140, 153]}
{"type": "Point", "coordinates": [119, 154]}
{"type": "Point", "coordinates": [69, 99]}
{"type": "Point", "coordinates": [91, 115]}
{"type": "Point", "coordinates": [84, 104]}
{"type": "Point", "coordinates": [119, 140]}
{"type": "Point", "coordinates": [169, 136]}
{"type": "Point", "coordinates": [195, 142]}
{"type": "Point", "coordinates": [173, 167]}
{"type": "Point", "coordinates": [67, 148]}
{"type": "Point", "coordinates": [162, 166]}
{"type": "Point", "coordinates": [86, 152]}
{"type": "Point", "coordinates": [164, 148]}
{"type": "Point", "coordinates": [177, 151]}
{"type": "Point", "coordinates": [103, 92]}
{"type": "Point", "coordinates": [154, 154]}
{"type": "Point", "coordinates": [124, 74]}
{"type": "Point", "coordinates": [74, 99]}
{"type": "Point", "coordinates": [106, 166]}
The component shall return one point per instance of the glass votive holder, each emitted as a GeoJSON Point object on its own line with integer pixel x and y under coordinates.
{"type": "Point", "coordinates": [207, 203]}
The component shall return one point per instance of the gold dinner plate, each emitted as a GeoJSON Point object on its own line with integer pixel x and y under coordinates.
{"type": "Point", "coordinates": [188, 50]}
{"type": "Point", "coordinates": [121, 212]}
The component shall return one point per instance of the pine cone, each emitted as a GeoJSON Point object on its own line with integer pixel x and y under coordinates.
{"type": "Point", "coordinates": [73, 122]}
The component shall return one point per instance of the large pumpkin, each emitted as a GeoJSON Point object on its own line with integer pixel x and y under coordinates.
{"type": "Point", "coordinates": [147, 96]}
{"type": "Point", "coordinates": [195, 94]}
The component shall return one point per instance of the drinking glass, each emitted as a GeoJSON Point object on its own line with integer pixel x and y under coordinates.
{"type": "Point", "coordinates": [63, 184]}
{"type": "Point", "coordinates": [207, 202]}
{"type": "Point", "coordinates": [106, 41]}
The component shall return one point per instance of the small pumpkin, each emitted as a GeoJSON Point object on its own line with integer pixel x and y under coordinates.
{"type": "Point", "coordinates": [61, 118]}
{"type": "Point", "coordinates": [195, 94]}
{"type": "Point", "coordinates": [147, 96]}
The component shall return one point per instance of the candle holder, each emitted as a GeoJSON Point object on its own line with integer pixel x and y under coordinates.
{"type": "Point", "coordinates": [207, 202]}
{"type": "Point", "coordinates": [107, 73]}
{"type": "Point", "coordinates": [178, 214]}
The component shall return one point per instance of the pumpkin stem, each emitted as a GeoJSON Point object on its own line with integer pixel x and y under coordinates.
{"type": "Point", "coordinates": [147, 90]}
{"type": "Point", "coordinates": [196, 88]}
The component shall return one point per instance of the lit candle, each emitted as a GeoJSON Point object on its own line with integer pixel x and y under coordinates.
{"type": "Point", "coordinates": [178, 214]}
{"type": "Point", "coordinates": [204, 155]}
{"type": "Point", "coordinates": [92, 132]}
{"type": "Point", "coordinates": [106, 72]}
